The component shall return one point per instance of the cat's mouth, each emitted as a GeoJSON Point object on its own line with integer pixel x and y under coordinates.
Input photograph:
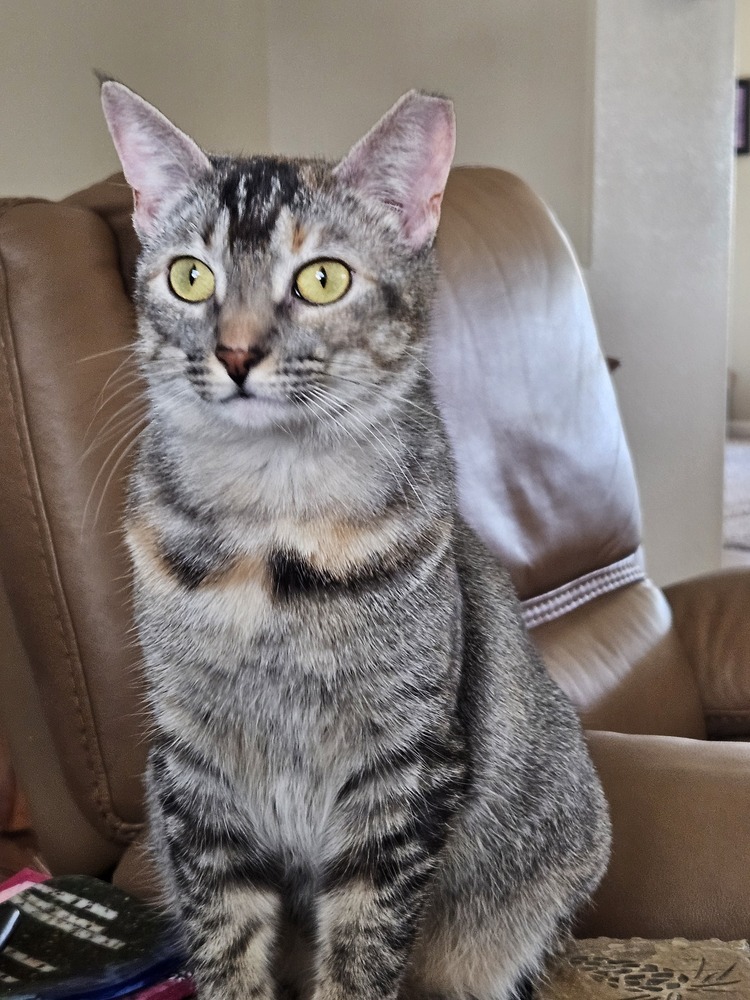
{"type": "Point", "coordinates": [239, 393]}
{"type": "Point", "coordinates": [252, 409]}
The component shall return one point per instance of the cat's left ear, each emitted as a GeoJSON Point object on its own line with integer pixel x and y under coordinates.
{"type": "Point", "coordinates": [403, 162]}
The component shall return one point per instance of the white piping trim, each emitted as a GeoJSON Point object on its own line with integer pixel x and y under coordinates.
{"type": "Point", "coordinates": [556, 603]}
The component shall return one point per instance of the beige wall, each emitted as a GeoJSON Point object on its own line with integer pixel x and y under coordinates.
{"type": "Point", "coordinates": [519, 73]}
{"type": "Point", "coordinates": [203, 63]}
{"type": "Point", "coordinates": [659, 276]}
{"type": "Point", "coordinates": [740, 314]}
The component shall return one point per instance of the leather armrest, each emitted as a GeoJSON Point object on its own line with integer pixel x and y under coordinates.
{"type": "Point", "coordinates": [680, 813]}
{"type": "Point", "coordinates": [712, 617]}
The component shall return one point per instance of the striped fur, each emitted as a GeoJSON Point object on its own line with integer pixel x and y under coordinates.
{"type": "Point", "coordinates": [362, 781]}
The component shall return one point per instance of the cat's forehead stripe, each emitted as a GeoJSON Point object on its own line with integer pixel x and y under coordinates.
{"type": "Point", "coordinates": [209, 227]}
{"type": "Point", "coordinates": [253, 192]}
{"type": "Point", "coordinates": [298, 236]}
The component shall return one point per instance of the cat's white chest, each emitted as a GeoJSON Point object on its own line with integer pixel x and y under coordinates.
{"type": "Point", "coordinates": [291, 804]}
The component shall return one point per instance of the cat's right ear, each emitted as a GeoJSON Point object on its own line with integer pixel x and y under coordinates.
{"type": "Point", "coordinates": [159, 161]}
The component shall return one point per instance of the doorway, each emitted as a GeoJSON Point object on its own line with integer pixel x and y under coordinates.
{"type": "Point", "coordinates": [736, 540]}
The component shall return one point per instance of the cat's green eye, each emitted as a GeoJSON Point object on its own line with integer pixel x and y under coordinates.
{"type": "Point", "coordinates": [192, 280]}
{"type": "Point", "coordinates": [322, 282]}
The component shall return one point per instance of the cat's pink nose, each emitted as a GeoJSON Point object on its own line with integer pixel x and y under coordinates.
{"type": "Point", "coordinates": [239, 360]}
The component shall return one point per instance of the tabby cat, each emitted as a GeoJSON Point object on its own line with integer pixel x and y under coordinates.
{"type": "Point", "coordinates": [362, 783]}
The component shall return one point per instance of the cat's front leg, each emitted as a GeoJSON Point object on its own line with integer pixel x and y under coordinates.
{"type": "Point", "coordinates": [231, 931]}
{"type": "Point", "coordinates": [366, 926]}
{"type": "Point", "coordinates": [219, 887]}
{"type": "Point", "coordinates": [232, 936]}
{"type": "Point", "coordinates": [369, 910]}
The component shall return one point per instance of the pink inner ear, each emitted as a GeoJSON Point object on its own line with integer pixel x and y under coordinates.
{"type": "Point", "coordinates": [422, 223]}
{"type": "Point", "coordinates": [159, 161]}
{"type": "Point", "coordinates": [404, 162]}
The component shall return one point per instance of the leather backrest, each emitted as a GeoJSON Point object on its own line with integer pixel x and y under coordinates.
{"type": "Point", "coordinates": [544, 468]}
{"type": "Point", "coordinates": [545, 474]}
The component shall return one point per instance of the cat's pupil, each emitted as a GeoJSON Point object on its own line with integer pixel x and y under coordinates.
{"type": "Point", "coordinates": [322, 277]}
{"type": "Point", "coordinates": [193, 275]}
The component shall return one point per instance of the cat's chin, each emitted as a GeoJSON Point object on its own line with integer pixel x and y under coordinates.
{"type": "Point", "coordinates": [254, 413]}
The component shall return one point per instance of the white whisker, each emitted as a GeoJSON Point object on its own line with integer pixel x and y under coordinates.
{"type": "Point", "coordinates": [105, 431]}
{"type": "Point", "coordinates": [126, 451]}
{"type": "Point", "coordinates": [115, 375]}
{"type": "Point", "coordinates": [133, 382]}
{"type": "Point", "coordinates": [102, 470]}
{"type": "Point", "coordinates": [369, 430]}
{"type": "Point", "coordinates": [104, 354]}
{"type": "Point", "coordinates": [377, 385]}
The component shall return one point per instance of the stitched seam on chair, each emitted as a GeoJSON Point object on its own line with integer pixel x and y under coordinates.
{"type": "Point", "coordinates": [48, 562]}
{"type": "Point", "coordinates": [580, 594]}
{"type": "Point", "coordinates": [547, 607]}
{"type": "Point", "coordinates": [6, 204]}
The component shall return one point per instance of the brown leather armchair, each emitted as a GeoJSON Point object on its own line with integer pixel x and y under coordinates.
{"type": "Point", "coordinates": [662, 680]}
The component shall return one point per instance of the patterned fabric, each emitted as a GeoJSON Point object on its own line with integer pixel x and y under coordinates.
{"type": "Point", "coordinates": [650, 970]}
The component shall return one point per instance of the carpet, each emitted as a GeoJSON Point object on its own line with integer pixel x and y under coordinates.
{"type": "Point", "coordinates": [606, 969]}
{"type": "Point", "coordinates": [737, 495]}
